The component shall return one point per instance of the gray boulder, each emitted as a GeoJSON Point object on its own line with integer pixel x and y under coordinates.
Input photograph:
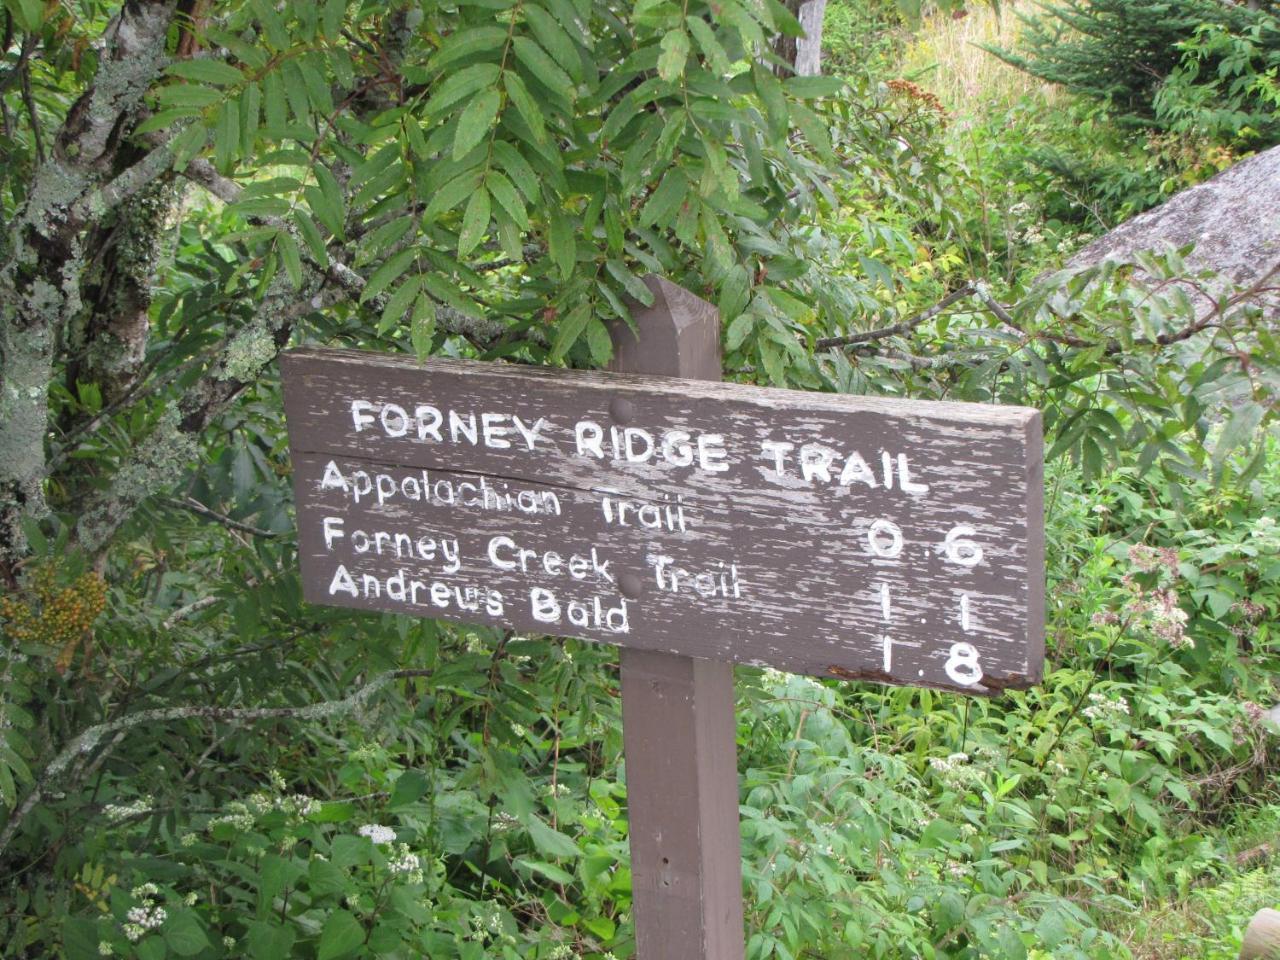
{"type": "Point", "coordinates": [1233, 220]}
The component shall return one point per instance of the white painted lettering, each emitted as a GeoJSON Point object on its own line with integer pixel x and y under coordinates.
{"type": "Point", "coordinates": [711, 453]}
{"type": "Point", "coordinates": [494, 432]}
{"type": "Point", "coordinates": [777, 449]}
{"type": "Point", "coordinates": [429, 419]}
{"type": "Point", "coordinates": [394, 412]}
{"type": "Point", "coordinates": [588, 436]}
{"type": "Point", "coordinates": [342, 582]}
{"type": "Point", "coordinates": [530, 434]}
{"type": "Point", "coordinates": [358, 416]}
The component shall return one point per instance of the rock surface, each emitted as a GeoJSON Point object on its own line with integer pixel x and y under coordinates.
{"type": "Point", "coordinates": [1233, 219]}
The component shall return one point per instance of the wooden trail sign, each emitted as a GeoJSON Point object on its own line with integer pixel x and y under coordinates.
{"type": "Point", "coordinates": [693, 523]}
{"type": "Point", "coordinates": [864, 538]}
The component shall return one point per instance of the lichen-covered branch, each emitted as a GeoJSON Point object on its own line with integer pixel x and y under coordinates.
{"type": "Point", "coordinates": [41, 276]}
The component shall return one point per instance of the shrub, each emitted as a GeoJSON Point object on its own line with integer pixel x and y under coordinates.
{"type": "Point", "coordinates": [1197, 66]}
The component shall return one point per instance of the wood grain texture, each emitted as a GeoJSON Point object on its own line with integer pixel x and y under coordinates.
{"type": "Point", "coordinates": [678, 728]}
{"type": "Point", "coordinates": [790, 568]}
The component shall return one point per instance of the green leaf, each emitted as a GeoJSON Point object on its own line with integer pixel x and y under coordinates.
{"type": "Point", "coordinates": [331, 19]}
{"type": "Point", "coordinates": [311, 237]}
{"type": "Point", "coordinates": [325, 200]}
{"type": "Point", "coordinates": [188, 95]}
{"type": "Point", "coordinates": [634, 286]}
{"type": "Point", "coordinates": [811, 88]}
{"type": "Point", "coordinates": [341, 935]}
{"type": "Point", "coordinates": [561, 244]}
{"type": "Point", "coordinates": [452, 194]}
{"type": "Point", "coordinates": [567, 334]}
{"type": "Point", "coordinates": [599, 342]}
{"type": "Point", "coordinates": [467, 42]}
{"type": "Point", "coordinates": [475, 221]}
{"type": "Point", "coordinates": [542, 66]}
{"type": "Point", "coordinates": [517, 168]}
{"type": "Point", "coordinates": [711, 48]}
{"type": "Point", "coordinates": [525, 105]}
{"type": "Point", "coordinates": [422, 327]}
{"type": "Point", "coordinates": [410, 786]}
{"type": "Point", "coordinates": [272, 25]}
{"type": "Point", "coordinates": [226, 137]}
{"type": "Point", "coordinates": [739, 328]}
{"type": "Point", "coordinates": [317, 87]}
{"type": "Point", "coordinates": [507, 197]}
{"type": "Point", "coordinates": [548, 870]}
{"type": "Point", "coordinates": [291, 257]}
{"type": "Point", "coordinates": [663, 205]}
{"type": "Point", "coordinates": [461, 85]}
{"type": "Point", "coordinates": [769, 89]}
{"type": "Point", "coordinates": [476, 122]}
{"type": "Point", "coordinates": [206, 71]}
{"type": "Point", "coordinates": [28, 14]}
{"type": "Point", "coordinates": [675, 53]}
{"type": "Point", "coordinates": [552, 842]}
{"type": "Point", "coordinates": [398, 303]}
{"type": "Point", "coordinates": [250, 114]}
{"type": "Point", "coordinates": [187, 144]}
{"type": "Point", "coordinates": [275, 104]}
{"type": "Point", "coordinates": [270, 941]}
{"type": "Point", "coordinates": [183, 933]}
{"type": "Point", "coordinates": [388, 273]}
{"type": "Point", "coordinates": [553, 39]}
{"type": "Point", "coordinates": [1238, 432]}
{"type": "Point", "coordinates": [602, 927]}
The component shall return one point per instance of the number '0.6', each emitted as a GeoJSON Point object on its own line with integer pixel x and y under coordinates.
{"type": "Point", "coordinates": [884, 539]}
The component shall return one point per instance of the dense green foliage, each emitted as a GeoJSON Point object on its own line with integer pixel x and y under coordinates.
{"type": "Point", "coordinates": [193, 763]}
{"type": "Point", "coordinates": [1199, 67]}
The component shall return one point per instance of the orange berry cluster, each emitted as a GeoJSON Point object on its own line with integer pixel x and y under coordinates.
{"type": "Point", "coordinates": [913, 91]}
{"type": "Point", "coordinates": [53, 615]}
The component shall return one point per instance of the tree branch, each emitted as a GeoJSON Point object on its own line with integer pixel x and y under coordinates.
{"type": "Point", "coordinates": [89, 739]}
{"type": "Point", "coordinates": [906, 326]}
{"type": "Point", "coordinates": [198, 508]}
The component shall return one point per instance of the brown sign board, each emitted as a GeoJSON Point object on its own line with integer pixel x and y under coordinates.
{"type": "Point", "coordinates": [826, 534]}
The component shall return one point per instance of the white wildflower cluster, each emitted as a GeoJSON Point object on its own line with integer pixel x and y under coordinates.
{"type": "Point", "coordinates": [228, 942]}
{"type": "Point", "coordinates": [188, 840]}
{"type": "Point", "coordinates": [377, 833]}
{"type": "Point", "coordinates": [558, 790]}
{"type": "Point", "coordinates": [958, 869]}
{"type": "Point", "coordinates": [519, 730]}
{"type": "Point", "coordinates": [365, 753]}
{"type": "Point", "coordinates": [1157, 609]}
{"type": "Point", "coordinates": [105, 949]}
{"type": "Point", "coordinates": [277, 780]}
{"type": "Point", "coordinates": [948, 764]}
{"type": "Point", "coordinates": [473, 644]}
{"type": "Point", "coordinates": [146, 916]}
{"type": "Point", "coordinates": [1103, 707]}
{"type": "Point", "coordinates": [406, 864]}
{"type": "Point", "coordinates": [773, 678]}
{"type": "Point", "coordinates": [561, 951]}
{"type": "Point", "coordinates": [488, 922]}
{"type": "Point", "coordinates": [237, 815]}
{"type": "Point", "coordinates": [119, 812]}
{"type": "Point", "coordinates": [504, 822]}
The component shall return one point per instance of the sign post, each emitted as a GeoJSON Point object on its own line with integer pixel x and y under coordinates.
{"type": "Point", "coordinates": [695, 524]}
{"type": "Point", "coordinates": [678, 726]}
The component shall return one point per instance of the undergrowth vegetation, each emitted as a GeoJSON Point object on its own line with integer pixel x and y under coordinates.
{"type": "Point", "coordinates": [195, 763]}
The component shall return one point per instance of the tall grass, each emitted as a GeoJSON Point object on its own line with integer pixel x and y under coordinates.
{"type": "Point", "coordinates": [944, 57]}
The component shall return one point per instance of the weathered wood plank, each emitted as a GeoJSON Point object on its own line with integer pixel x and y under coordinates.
{"type": "Point", "coordinates": [697, 530]}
